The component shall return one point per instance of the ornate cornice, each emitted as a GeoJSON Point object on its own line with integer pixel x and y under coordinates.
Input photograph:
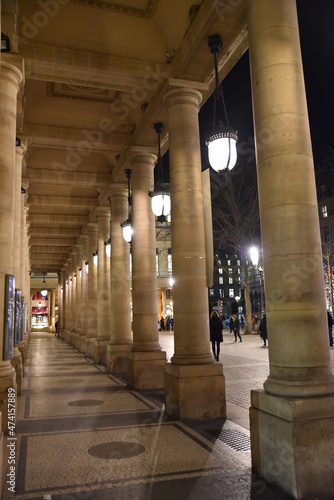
{"type": "Point", "coordinates": [122, 8]}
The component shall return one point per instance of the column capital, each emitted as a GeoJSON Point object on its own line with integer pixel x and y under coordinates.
{"type": "Point", "coordinates": [182, 95]}
{"type": "Point", "coordinates": [103, 211]}
{"type": "Point", "coordinates": [12, 67]}
{"type": "Point", "coordinates": [140, 154]}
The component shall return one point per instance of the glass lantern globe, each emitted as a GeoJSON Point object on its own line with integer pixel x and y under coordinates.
{"type": "Point", "coordinates": [222, 149]}
{"type": "Point", "coordinates": [127, 230]}
{"type": "Point", "coordinates": [160, 203]}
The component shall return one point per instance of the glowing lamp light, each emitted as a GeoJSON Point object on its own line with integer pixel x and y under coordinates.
{"type": "Point", "coordinates": [95, 258]}
{"type": "Point", "coordinates": [254, 255]}
{"type": "Point", "coordinates": [160, 203]}
{"type": "Point", "coordinates": [171, 282]}
{"type": "Point", "coordinates": [222, 150]}
{"type": "Point", "coordinates": [86, 267]}
{"type": "Point", "coordinates": [127, 230]}
{"type": "Point", "coordinates": [108, 248]}
{"type": "Point", "coordinates": [80, 272]}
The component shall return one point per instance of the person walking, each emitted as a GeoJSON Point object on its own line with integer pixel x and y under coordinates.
{"type": "Point", "coordinates": [216, 334]}
{"type": "Point", "coordinates": [237, 328]}
{"type": "Point", "coordinates": [231, 325]}
{"type": "Point", "coordinates": [263, 330]}
{"type": "Point", "coordinates": [330, 328]}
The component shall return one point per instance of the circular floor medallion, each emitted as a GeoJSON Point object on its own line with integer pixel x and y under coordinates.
{"type": "Point", "coordinates": [86, 402]}
{"type": "Point", "coordinates": [116, 450]}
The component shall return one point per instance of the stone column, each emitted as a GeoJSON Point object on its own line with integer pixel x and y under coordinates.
{"type": "Point", "coordinates": [92, 290]}
{"type": "Point", "coordinates": [84, 293]}
{"type": "Point", "coordinates": [103, 286]}
{"type": "Point", "coordinates": [66, 305]}
{"type": "Point", "coordinates": [16, 360]}
{"type": "Point", "coordinates": [292, 420]}
{"type": "Point", "coordinates": [10, 79]}
{"type": "Point", "coordinates": [72, 294]}
{"type": "Point", "coordinates": [77, 286]}
{"type": "Point", "coordinates": [53, 310]}
{"type": "Point", "coordinates": [194, 384]}
{"type": "Point", "coordinates": [120, 293]}
{"type": "Point", "coordinates": [145, 360]}
{"type": "Point", "coordinates": [61, 301]}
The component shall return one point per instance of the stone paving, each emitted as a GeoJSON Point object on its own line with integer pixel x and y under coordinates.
{"type": "Point", "coordinates": [81, 434]}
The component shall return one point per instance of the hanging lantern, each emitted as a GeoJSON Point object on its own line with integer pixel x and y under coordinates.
{"type": "Point", "coordinates": [160, 195]}
{"type": "Point", "coordinates": [222, 142]}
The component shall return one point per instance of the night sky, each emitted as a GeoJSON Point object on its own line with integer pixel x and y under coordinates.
{"type": "Point", "coordinates": [316, 25]}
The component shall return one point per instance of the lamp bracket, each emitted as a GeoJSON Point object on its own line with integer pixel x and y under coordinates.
{"type": "Point", "coordinates": [215, 43]}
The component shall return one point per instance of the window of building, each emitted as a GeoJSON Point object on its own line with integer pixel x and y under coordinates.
{"type": "Point", "coordinates": [221, 280]}
{"type": "Point", "coordinates": [324, 211]}
{"type": "Point", "coordinates": [221, 293]}
{"type": "Point", "coordinates": [238, 270]}
{"type": "Point", "coordinates": [230, 281]}
{"type": "Point", "coordinates": [228, 262]}
{"type": "Point", "coordinates": [169, 263]}
{"type": "Point", "coordinates": [220, 270]}
{"type": "Point", "coordinates": [219, 261]}
{"type": "Point", "coordinates": [211, 292]}
{"type": "Point", "coordinates": [230, 270]}
{"type": "Point", "coordinates": [238, 262]}
{"type": "Point", "coordinates": [326, 233]}
{"type": "Point", "coordinates": [231, 292]}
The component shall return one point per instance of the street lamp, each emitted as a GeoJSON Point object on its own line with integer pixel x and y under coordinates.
{"type": "Point", "coordinates": [160, 194]}
{"type": "Point", "coordinates": [126, 225]}
{"type": "Point", "coordinates": [222, 142]}
{"type": "Point", "coordinates": [254, 255]}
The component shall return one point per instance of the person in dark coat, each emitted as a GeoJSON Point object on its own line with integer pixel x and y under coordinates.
{"type": "Point", "coordinates": [236, 328]}
{"type": "Point", "coordinates": [231, 325]}
{"type": "Point", "coordinates": [216, 333]}
{"type": "Point", "coordinates": [330, 328]}
{"type": "Point", "coordinates": [263, 330]}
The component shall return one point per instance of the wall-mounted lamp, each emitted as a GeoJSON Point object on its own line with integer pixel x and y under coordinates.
{"type": "Point", "coordinates": [222, 142]}
{"type": "Point", "coordinates": [160, 194]}
{"type": "Point", "coordinates": [44, 291]}
{"type": "Point", "coordinates": [86, 266]}
{"type": "Point", "coordinates": [5, 43]}
{"type": "Point", "coordinates": [95, 259]}
{"type": "Point", "coordinates": [126, 225]}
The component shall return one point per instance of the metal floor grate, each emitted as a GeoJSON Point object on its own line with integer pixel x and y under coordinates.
{"type": "Point", "coordinates": [235, 439]}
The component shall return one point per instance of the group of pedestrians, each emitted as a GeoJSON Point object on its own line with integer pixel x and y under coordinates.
{"type": "Point", "coordinates": [216, 331]}
{"type": "Point", "coordinates": [166, 324]}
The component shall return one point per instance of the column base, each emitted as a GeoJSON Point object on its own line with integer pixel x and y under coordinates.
{"type": "Point", "coordinates": [16, 363]}
{"type": "Point", "coordinates": [195, 392]}
{"type": "Point", "coordinates": [89, 347]}
{"type": "Point", "coordinates": [145, 369]}
{"type": "Point", "coordinates": [292, 443]}
{"type": "Point", "coordinates": [117, 358]}
{"type": "Point", "coordinates": [82, 344]}
{"type": "Point", "coordinates": [76, 340]}
{"type": "Point", "coordinates": [7, 379]}
{"type": "Point", "coordinates": [71, 338]}
{"type": "Point", "coordinates": [100, 348]}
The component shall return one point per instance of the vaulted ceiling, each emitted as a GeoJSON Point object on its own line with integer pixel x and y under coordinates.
{"type": "Point", "coordinates": [95, 75]}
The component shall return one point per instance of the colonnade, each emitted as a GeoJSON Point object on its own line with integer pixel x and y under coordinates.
{"type": "Point", "coordinates": [14, 248]}
{"type": "Point", "coordinates": [292, 418]}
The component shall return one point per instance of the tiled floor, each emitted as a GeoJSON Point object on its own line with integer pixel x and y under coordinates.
{"type": "Point", "coordinates": [81, 434]}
